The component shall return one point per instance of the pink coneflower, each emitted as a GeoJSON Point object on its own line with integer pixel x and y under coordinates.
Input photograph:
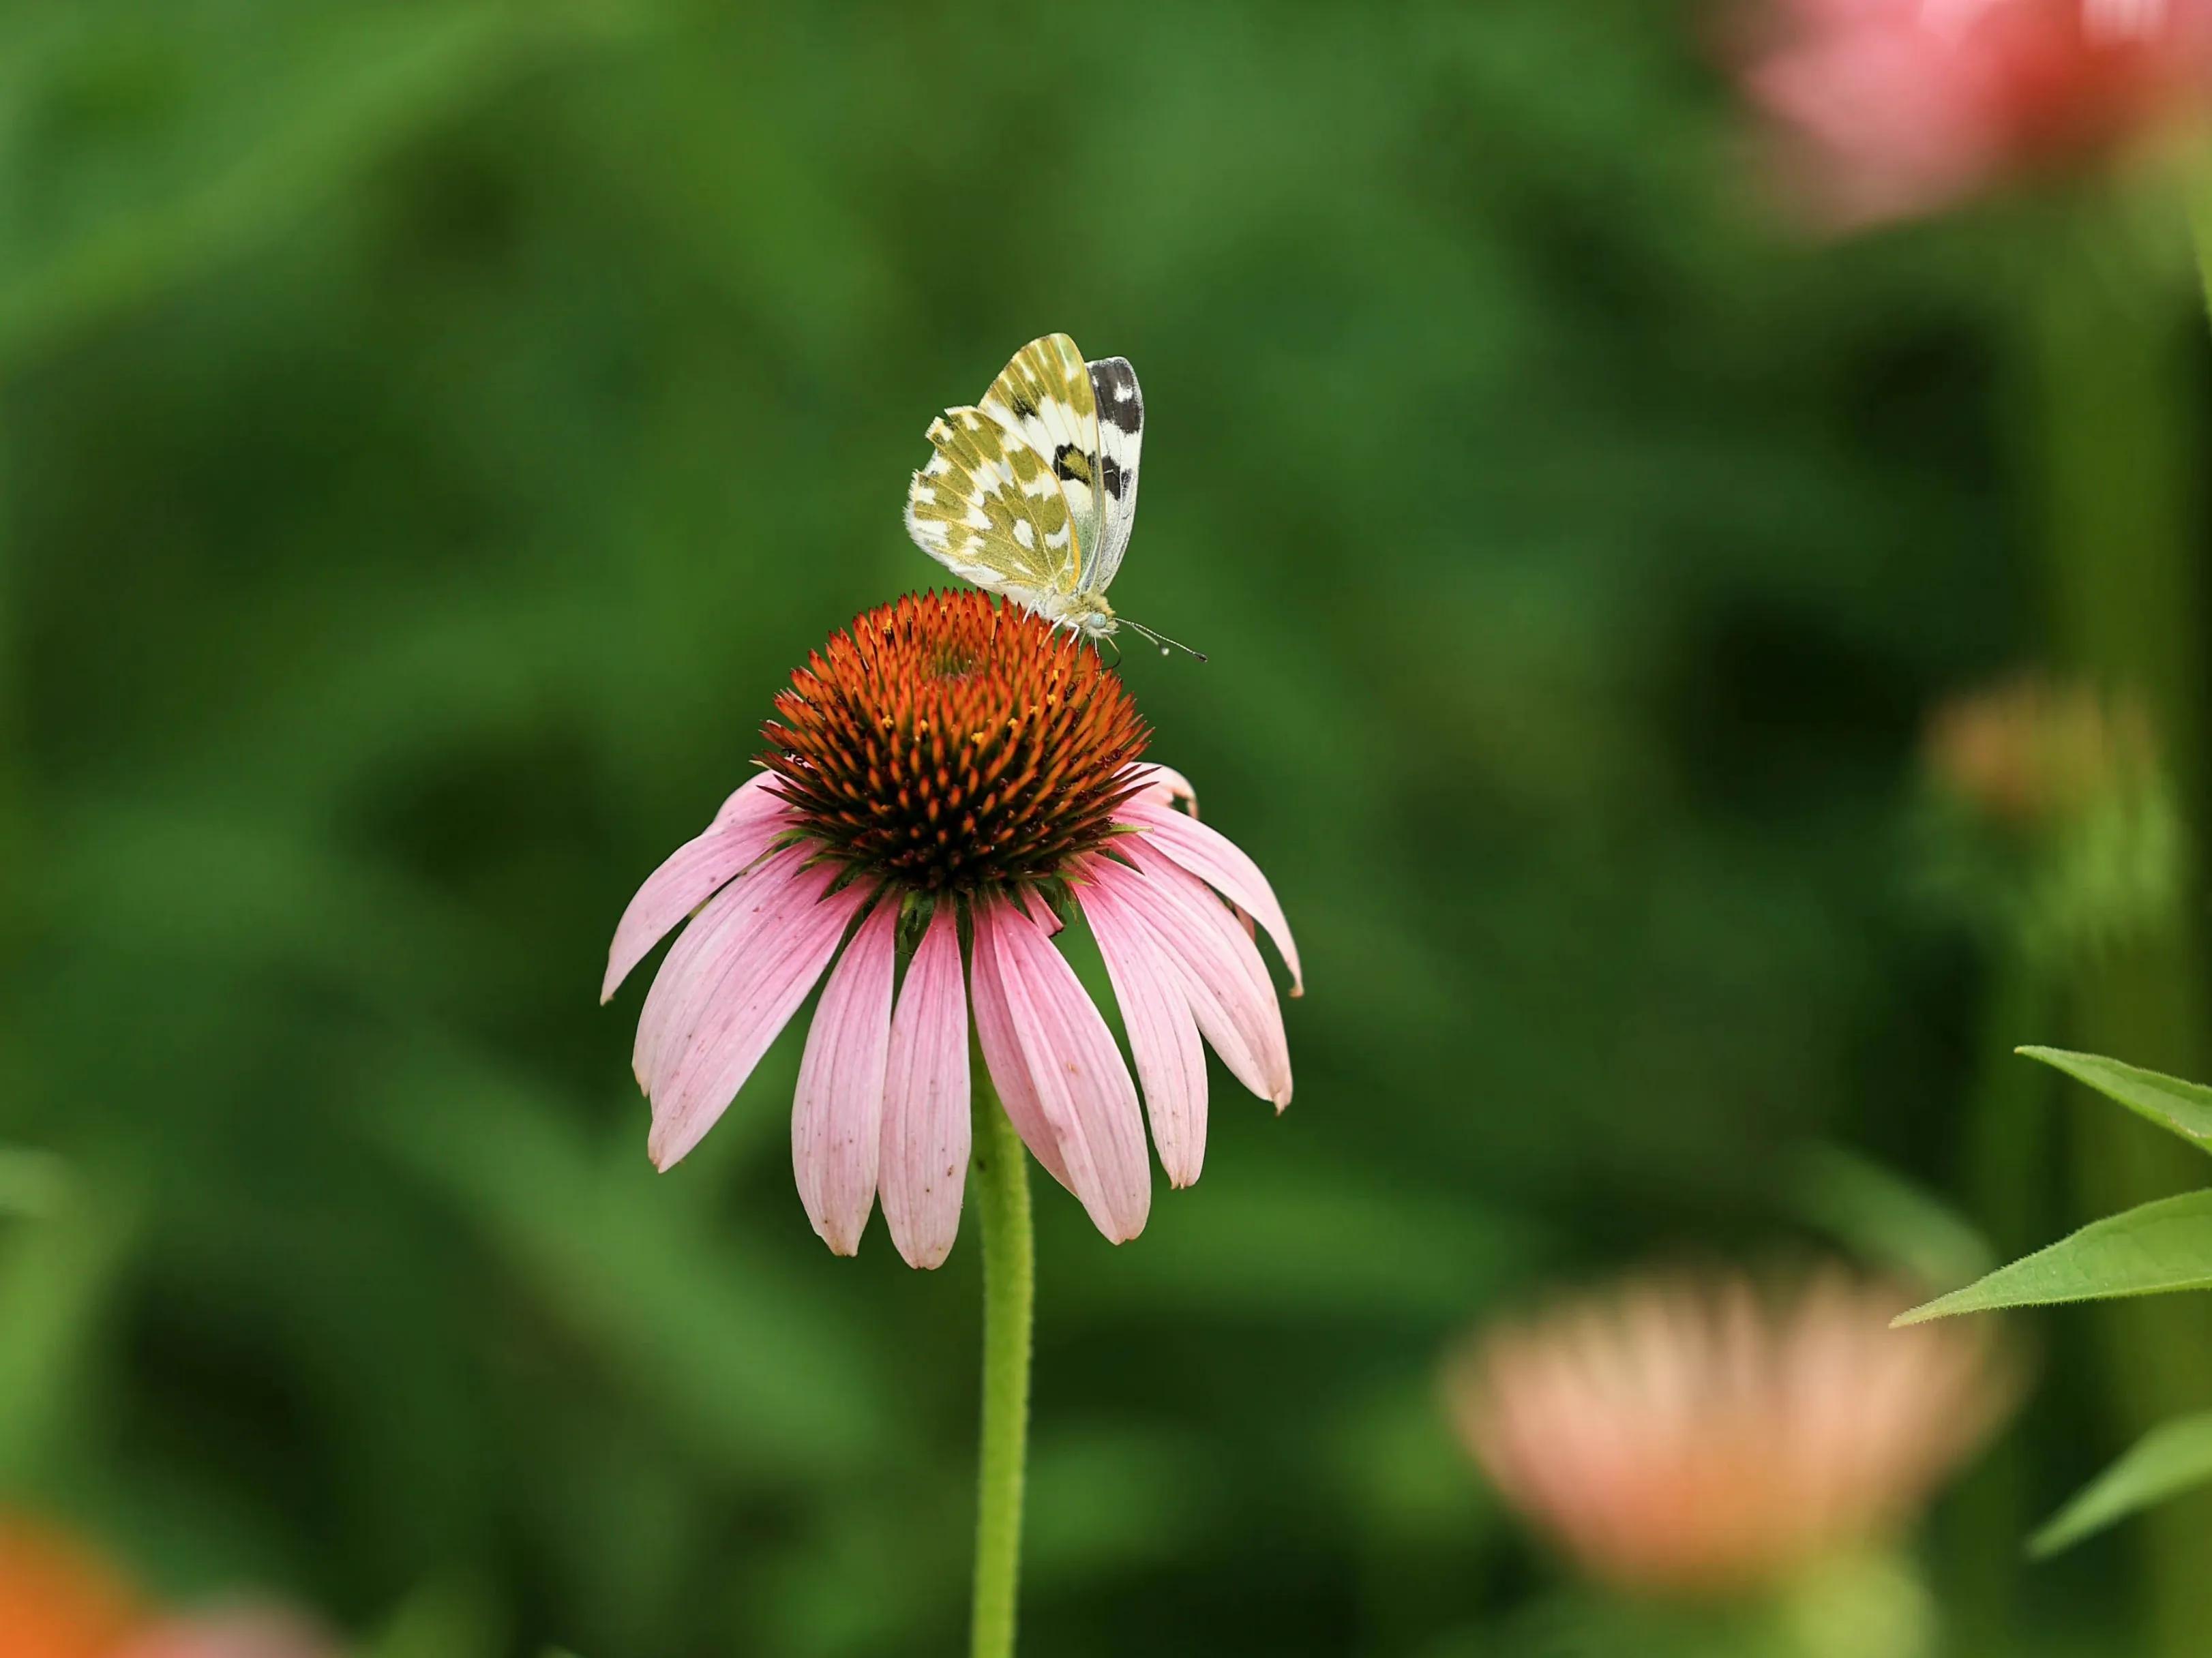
{"type": "Point", "coordinates": [1899, 107]}
{"type": "Point", "coordinates": [1697, 1437]}
{"type": "Point", "coordinates": [941, 779]}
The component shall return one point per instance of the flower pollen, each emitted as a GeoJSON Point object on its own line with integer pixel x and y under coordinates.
{"type": "Point", "coordinates": [945, 744]}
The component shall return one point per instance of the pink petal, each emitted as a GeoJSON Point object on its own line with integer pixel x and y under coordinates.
{"type": "Point", "coordinates": [1894, 119]}
{"type": "Point", "coordinates": [926, 1126]}
{"type": "Point", "coordinates": [742, 830]}
{"type": "Point", "coordinates": [1034, 906]}
{"type": "Point", "coordinates": [718, 936]}
{"type": "Point", "coordinates": [749, 1004]}
{"type": "Point", "coordinates": [1230, 995]}
{"type": "Point", "coordinates": [836, 1118]}
{"type": "Point", "coordinates": [1162, 1034]}
{"type": "Point", "coordinates": [1162, 785]}
{"type": "Point", "coordinates": [1074, 1071]}
{"type": "Point", "coordinates": [1009, 1074]}
{"type": "Point", "coordinates": [1220, 863]}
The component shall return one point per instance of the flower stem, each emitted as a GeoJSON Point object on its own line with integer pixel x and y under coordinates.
{"type": "Point", "coordinates": [2200, 222]}
{"type": "Point", "coordinates": [2012, 1157]}
{"type": "Point", "coordinates": [1002, 1192]}
{"type": "Point", "coordinates": [2117, 426]}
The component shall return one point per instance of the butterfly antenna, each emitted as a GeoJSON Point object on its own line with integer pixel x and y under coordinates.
{"type": "Point", "coordinates": [1161, 640]}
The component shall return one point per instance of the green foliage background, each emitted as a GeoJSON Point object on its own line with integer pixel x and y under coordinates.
{"type": "Point", "coordinates": [428, 433]}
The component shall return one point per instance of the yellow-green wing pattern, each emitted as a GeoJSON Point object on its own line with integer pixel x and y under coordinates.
{"type": "Point", "coordinates": [1045, 395]}
{"type": "Point", "coordinates": [1006, 500]}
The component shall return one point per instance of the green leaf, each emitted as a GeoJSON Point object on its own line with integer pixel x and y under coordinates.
{"type": "Point", "coordinates": [57, 1278]}
{"type": "Point", "coordinates": [225, 146]}
{"type": "Point", "coordinates": [1884, 1219]}
{"type": "Point", "coordinates": [2180, 1107]}
{"type": "Point", "coordinates": [32, 1183]}
{"type": "Point", "coordinates": [2168, 1459]}
{"type": "Point", "coordinates": [454, 1617]}
{"type": "Point", "coordinates": [726, 1344]}
{"type": "Point", "coordinates": [2161, 1246]}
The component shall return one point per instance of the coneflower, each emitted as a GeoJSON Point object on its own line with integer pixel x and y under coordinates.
{"type": "Point", "coordinates": [1698, 1437]}
{"type": "Point", "coordinates": [942, 783]}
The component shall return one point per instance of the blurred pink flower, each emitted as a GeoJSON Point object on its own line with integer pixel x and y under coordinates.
{"type": "Point", "coordinates": [239, 1631]}
{"type": "Point", "coordinates": [1695, 1437]}
{"type": "Point", "coordinates": [941, 770]}
{"type": "Point", "coordinates": [1892, 108]}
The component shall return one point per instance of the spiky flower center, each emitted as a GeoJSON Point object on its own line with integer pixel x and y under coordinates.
{"type": "Point", "coordinates": [945, 744]}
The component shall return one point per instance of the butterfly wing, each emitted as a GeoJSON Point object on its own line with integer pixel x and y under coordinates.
{"type": "Point", "coordinates": [1044, 398]}
{"type": "Point", "coordinates": [1121, 409]}
{"type": "Point", "coordinates": [993, 504]}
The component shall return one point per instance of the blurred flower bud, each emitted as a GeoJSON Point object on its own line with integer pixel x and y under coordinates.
{"type": "Point", "coordinates": [1695, 1438]}
{"type": "Point", "coordinates": [2054, 815]}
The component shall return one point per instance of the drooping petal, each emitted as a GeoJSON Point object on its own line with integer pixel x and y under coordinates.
{"type": "Point", "coordinates": [718, 936]}
{"type": "Point", "coordinates": [1009, 1073]}
{"type": "Point", "coordinates": [837, 1117]}
{"type": "Point", "coordinates": [1162, 785]}
{"type": "Point", "coordinates": [1074, 1071]}
{"type": "Point", "coordinates": [1034, 906]}
{"type": "Point", "coordinates": [742, 830]}
{"type": "Point", "coordinates": [1230, 994]}
{"type": "Point", "coordinates": [750, 1006]}
{"type": "Point", "coordinates": [1162, 1034]}
{"type": "Point", "coordinates": [1221, 864]}
{"type": "Point", "coordinates": [1212, 984]}
{"type": "Point", "coordinates": [926, 1126]}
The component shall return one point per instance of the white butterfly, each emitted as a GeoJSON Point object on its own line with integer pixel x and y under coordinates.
{"type": "Point", "coordinates": [1031, 494]}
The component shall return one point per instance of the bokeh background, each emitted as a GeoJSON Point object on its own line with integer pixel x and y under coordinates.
{"type": "Point", "coordinates": [430, 432]}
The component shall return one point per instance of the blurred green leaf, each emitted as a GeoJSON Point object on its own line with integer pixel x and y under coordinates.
{"type": "Point", "coordinates": [691, 1318]}
{"type": "Point", "coordinates": [1276, 1242]}
{"type": "Point", "coordinates": [2168, 1459]}
{"type": "Point", "coordinates": [2180, 1107]}
{"type": "Point", "coordinates": [32, 1183]}
{"type": "Point", "coordinates": [2159, 1246]}
{"type": "Point", "coordinates": [1105, 1500]}
{"type": "Point", "coordinates": [450, 1617]}
{"type": "Point", "coordinates": [1886, 1220]}
{"type": "Point", "coordinates": [57, 1276]}
{"type": "Point", "coordinates": [217, 147]}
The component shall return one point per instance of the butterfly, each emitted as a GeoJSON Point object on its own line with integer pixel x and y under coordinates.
{"type": "Point", "coordinates": [1031, 492]}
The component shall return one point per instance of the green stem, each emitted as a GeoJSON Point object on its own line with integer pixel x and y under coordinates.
{"type": "Point", "coordinates": [2011, 1119]}
{"type": "Point", "coordinates": [1002, 1194]}
{"type": "Point", "coordinates": [2200, 222]}
{"type": "Point", "coordinates": [2010, 1154]}
{"type": "Point", "coordinates": [2116, 444]}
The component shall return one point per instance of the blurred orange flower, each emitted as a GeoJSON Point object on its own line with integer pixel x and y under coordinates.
{"type": "Point", "coordinates": [59, 1600]}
